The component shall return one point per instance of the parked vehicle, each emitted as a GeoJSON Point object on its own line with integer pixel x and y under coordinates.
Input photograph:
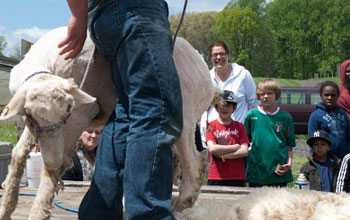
{"type": "Point", "coordinates": [299, 102]}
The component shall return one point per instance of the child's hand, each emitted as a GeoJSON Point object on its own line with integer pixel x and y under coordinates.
{"type": "Point", "coordinates": [282, 169]}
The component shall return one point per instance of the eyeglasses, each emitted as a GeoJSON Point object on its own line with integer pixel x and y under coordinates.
{"type": "Point", "coordinates": [217, 54]}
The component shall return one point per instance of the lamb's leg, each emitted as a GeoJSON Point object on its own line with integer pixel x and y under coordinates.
{"type": "Point", "coordinates": [15, 172]}
{"type": "Point", "coordinates": [42, 206]}
{"type": "Point", "coordinates": [193, 164]}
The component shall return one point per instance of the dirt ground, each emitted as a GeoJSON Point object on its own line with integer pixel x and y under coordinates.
{"type": "Point", "coordinates": [70, 197]}
{"type": "Point", "coordinates": [74, 192]}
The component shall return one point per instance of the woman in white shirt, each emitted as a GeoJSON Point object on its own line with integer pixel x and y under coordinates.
{"type": "Point", "coordinates": [232, 77]}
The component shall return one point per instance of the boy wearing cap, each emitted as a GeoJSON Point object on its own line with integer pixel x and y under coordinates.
{"type": "Point", "coordinates": [271, 133]}
{"type": "Point", "coordinates": [322, 166]}
{"type": "Point", "coordinates": [227, 144]}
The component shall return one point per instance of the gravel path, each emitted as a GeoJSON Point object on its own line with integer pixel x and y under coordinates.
{"type": "Point", "coordinates": [302, 149]}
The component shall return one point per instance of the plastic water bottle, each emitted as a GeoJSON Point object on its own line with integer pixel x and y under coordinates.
{"type": "Point", "coordinates": [302, 183]}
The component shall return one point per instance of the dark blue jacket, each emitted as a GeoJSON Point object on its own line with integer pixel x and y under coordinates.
{"type": "Point", "coordinates": [336, 123]}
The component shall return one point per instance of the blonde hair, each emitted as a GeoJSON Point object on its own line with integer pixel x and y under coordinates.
{"type": "Point", "coordinates": [270, 85]}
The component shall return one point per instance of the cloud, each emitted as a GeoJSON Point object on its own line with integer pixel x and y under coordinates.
{"type": "Point", "coordinates": [175, 6]}
{"type": "Point", "coordinates": [32, 34]}
{"type": "Point", "coordinates": [14, 37]}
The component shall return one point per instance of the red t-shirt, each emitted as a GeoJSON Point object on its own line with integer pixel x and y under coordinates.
{"type": "Point", "coordinates": [234, 133]}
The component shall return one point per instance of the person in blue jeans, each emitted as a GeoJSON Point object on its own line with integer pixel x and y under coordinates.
{"type": "Point", "coordinates": [134, 157]}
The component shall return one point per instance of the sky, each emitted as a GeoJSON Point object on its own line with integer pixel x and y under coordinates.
{"type": "Point", "coordinates": [30, 19]}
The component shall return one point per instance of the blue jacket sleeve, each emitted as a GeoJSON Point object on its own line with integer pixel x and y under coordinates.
{"type": "Point", "coordinates": [312, 124]}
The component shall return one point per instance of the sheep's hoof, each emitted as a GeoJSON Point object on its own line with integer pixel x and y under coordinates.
{"type": "Point", "coordinates": [180, 203]}
{"type": "Point", "coordinates": [61, 184]}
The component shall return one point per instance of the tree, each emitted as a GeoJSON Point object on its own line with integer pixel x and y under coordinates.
{"type": "Point", "coordinates": [196, 29]}
{"type": "Point", "coordinates": [3, 45]}
{"type": "Point", "coordinates": [247, 38]}
{"type": "Point", "coordinates": [258, 6]}
{"type": "Point", "coordinates": [309, 36]}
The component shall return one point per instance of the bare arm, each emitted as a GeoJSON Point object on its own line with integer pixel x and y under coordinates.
{"type": "Point", "coordinates": [76, 29]}
{"type": "Point", "coordinates": [286, 167]}
{"type": "Point", "coordinates": [218, 149]}
{"type": "Point", "coordinates": [241, 152]}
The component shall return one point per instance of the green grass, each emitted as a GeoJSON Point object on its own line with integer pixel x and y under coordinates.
{"type": "Point", "coordinates": [335, 79]}
{"type": "Point", "coordinates": [282, 82]}
{"type": "Point", "coordinates": [295, 82]}
{"type": "Point", "coordinates": [8, 132]}
{"type": "Point", "coordinates": [297, 163]}
{"type": "Point", "coordinates": [301, 136]}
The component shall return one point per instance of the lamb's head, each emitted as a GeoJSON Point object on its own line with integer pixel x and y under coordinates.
{"type": "Point", "coordinates": [47, 101]}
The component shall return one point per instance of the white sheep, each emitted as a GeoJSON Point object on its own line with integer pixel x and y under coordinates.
{"type": "Point", "coordinates": [274, 204]}
{"type": "Point", "coordinates": [56, 111]}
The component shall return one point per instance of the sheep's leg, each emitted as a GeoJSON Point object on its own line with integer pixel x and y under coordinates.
{"type": "Point", "coordinates": [193, 166]}
{"type": "Point", "coordinates": [42, 206]}
{"type": "Point", "coordinates": [11, 184]}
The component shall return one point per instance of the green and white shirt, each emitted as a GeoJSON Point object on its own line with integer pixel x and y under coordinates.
{"type": "Point", "coordinates": [271, 134]}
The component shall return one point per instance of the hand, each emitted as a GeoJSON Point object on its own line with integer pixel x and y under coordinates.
{"type": "Point", "coordinates": [74, 41]}
{"type": "Point", "coordinates": [282, 169]}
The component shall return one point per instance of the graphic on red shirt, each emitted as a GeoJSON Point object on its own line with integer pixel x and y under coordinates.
{"type": "Point", "coordinates": [231, 169]}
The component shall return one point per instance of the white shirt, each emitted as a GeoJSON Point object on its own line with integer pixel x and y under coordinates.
{"type": "Point", "coordinates": [241, 83]}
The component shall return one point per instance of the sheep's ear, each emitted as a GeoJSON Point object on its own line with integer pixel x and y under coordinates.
{"type": "Point", "coordinates": [81, 96]}
{"type": "Point", "coordinates": [15, 106]}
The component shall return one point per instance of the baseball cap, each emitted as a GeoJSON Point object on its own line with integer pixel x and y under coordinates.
{"type": "Point", "coordinates": [318, 134]}
{"type": "Point", "coordinates": [228, 96]}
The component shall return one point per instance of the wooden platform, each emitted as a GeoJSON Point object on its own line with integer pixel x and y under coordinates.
{"type": "Point", "coordinates": [74, 192]}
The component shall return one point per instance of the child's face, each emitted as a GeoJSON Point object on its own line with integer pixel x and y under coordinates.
{"type": "Point", "coordinates": [267, 98]}
{"type": "Point", "coordinates": [329, 96]}
{"type": "Point", "coordinates": [225, 111]}
{"type": "Point", "coordinates": [320, 147]}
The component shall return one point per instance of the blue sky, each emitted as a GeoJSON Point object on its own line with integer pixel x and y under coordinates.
{"type": "Point", "coordinates": [30, 19]}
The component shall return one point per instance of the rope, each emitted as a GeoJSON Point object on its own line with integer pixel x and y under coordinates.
{"type": "Point", "coordinates": [54, 201]}
{"type": "Point", "coordinates": [180, 22]}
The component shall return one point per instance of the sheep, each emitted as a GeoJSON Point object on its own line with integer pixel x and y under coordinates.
{"type": "Point", "coordinates": [270, 203]}
{"type": "Point", "coordinates": [56, 111]}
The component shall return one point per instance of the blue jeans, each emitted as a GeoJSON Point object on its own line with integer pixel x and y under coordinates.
{"type": "Point", "coordinates": [134, 156]}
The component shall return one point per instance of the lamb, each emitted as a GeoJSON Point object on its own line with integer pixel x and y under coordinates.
{"type": "Point", "coordinates": [56, 111]}
{"type": "Point", "coordinates": [274, 204]}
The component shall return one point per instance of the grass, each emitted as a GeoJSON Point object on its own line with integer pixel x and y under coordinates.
{"type": "Point", "coordinates": [8, 132]}
{"type": "Point", "coordinates": [282, 82]}
{"type": "Point", "coordinates": [295, 82]}
{"type": "Point", "coordinates": [301, 136]}
{"type": "Point", "coordinates": [334, 79]}
{"type": "Point", "coordinates": [298, 161]}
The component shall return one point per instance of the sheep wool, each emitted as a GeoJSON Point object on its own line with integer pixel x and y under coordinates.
{"type": "Point", "coordinates": [275, 204]}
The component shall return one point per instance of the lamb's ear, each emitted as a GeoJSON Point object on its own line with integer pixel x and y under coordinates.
{"type": "Point", "coordinates": [81, 96]}
{"type": "Point", "coordinates": [15, 106]}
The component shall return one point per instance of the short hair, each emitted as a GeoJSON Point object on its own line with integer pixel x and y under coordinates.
{"type": "Point", "coordinates": [331, 84]}
{"type": "Point", "coordinates": [268, 84]}
{"type": "Point", "coordinates": [218, 44]}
